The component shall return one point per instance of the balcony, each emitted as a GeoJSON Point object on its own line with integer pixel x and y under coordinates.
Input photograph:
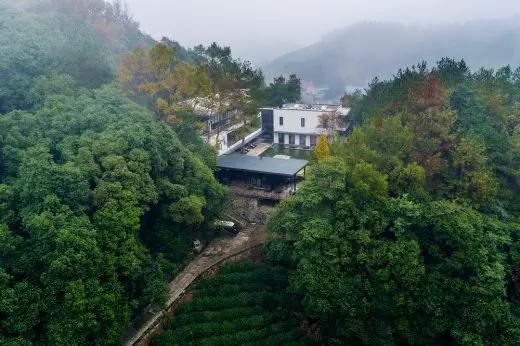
{"type": "Point", "coordinates": [252, 191]}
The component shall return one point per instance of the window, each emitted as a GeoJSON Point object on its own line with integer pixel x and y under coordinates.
{"type": "Point", "coordinates": [303, 122]}
{"type": "Point", "coordinates": [313, 141]}
{"type": "Point", "coordinates": [303, 140]}
{"type": "Point", "coordinates": [292, 139]}
{"type": "Point", "coordinates": [281, 138]}
{"type": "Point", "coordinates": [281, 121]}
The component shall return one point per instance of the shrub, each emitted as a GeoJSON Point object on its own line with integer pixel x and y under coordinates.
{"type": "Point", "coordinates": [239, 267]}
{"type": "Point", "coordinates": [163, 338]}
{"type": "Point", "coordinates": [268, 276]}
{"type": "Point", "coordinates": [215, 316]}
{"type": "Point", "coordinates": [283, 338]}
{"type": "Point", "coordinates": [265, 299]}
{"type": "Point", "coordinates": [242, 337]}
{"type": "Point", "coordinates": [201, 330]}
{"type": "Point", "coordinates": [293, 336]}
{"type": "Point", "coordinates": [227, 290]}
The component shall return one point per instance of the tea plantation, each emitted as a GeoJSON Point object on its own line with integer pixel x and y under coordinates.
{"type": "Point", "coordinates": [245, 304]}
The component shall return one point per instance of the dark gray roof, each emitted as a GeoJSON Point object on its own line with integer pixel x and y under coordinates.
{"type": "Point", "coordinates": [258, 164]}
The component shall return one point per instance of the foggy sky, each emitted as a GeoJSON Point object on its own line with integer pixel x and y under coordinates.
{"type": "Point", "coordinates": [260, 30]}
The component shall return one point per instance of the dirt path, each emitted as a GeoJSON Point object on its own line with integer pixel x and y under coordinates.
{"type": "Point", "coordinates": [216, 252]}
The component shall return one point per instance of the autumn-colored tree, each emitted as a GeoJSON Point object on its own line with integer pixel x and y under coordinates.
{"type": "Point", "coordinates": [428, 94]}
{"type": "Point", "coordinates": [322, 150]}
{"type": "Point", "coordinates": [164, 81]}
{"type": "Point", "coordinates": [331, 122]}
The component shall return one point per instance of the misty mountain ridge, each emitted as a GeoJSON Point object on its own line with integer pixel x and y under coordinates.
{"type": "Point", "coordinates": [358, 53]}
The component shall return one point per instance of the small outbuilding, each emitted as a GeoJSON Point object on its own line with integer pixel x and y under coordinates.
{"type": "Point", "coordinates": [262, 177]}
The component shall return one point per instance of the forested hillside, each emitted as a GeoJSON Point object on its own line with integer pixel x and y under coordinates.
{"type": "Point", "coordinates": [104, 178]}
{"type": "Point", "coordinates": [405, 232]}
{"type": "Point", "coordinates": [98, 198]}
{"type": "Point", "coordinates": [80, 38]}
{"type": "Point", "coordinates": [408, 232]}
{"type": "Point", "coordinates": [355, 54]}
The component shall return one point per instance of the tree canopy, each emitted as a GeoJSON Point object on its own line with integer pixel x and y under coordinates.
{"type": "Point", "coordinates": [99, 199]}
{"type": "Point", "coordinates": [408, 232]}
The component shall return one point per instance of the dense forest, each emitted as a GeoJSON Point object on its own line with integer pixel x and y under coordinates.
{"type": "Point", "coordinates": [407, 232]}
{"type": "Point", "coordinates": [100, 193]}
{"type": "Point", "coordinates": [404, 232]}
{"type": "Point", "coordinates": [98, 197]}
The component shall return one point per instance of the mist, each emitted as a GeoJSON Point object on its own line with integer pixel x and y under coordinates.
{"type": "Point", "coordinates": [263, 30]}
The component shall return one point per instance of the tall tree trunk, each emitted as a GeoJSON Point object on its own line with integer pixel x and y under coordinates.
{"type": "Point", "coordinates": [209, 131]}
{"type": "Point", "coordinates": [218, 136]}
{"type": "Point", "coordinates": [244, 134]}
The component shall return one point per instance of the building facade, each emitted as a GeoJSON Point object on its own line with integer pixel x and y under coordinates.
{"type": "Point", "coordinates": [297, 125]}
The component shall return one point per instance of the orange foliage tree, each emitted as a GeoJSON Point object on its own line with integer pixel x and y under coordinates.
{"type": "Point", "coordinates": [162, 80]}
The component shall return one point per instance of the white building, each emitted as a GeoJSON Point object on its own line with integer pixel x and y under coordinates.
{"type": "Point", "coordinates": [297, 125]}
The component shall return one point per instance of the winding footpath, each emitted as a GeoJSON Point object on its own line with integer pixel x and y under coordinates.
{"type": "Point", "coordinates": [216, 252]}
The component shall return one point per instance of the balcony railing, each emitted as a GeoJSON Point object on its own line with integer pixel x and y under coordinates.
{"type": "Point", "coordinates": [258, 192]}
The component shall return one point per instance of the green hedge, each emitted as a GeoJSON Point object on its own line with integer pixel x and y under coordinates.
{"type": "Point", "coordinates": [247, 266]}
{"type": "Point", "coordinates": [242, 337]}
{"type": "Point", "coordinates": [227, 290]}
{"type": "Point", "coordinates": [284, 338]}
{"type": "Point", "coordinates": [293, 336]}
{"type": "Point", "coordinates": [240, 267]}
{"type": "Point", "coordinates": [213, 316]}
{"type": "Point", "coordinates": [268, 276]}
{"type": "Point", "coordinates": [300, 342]}
{"type": "Point", "coordinates": [265, 299]}
{"type": "Point", "coordinates": [164, 338]}
{"type": "Point", "coordinates": [195, 331]}
{"type": "Point", "coordinates": [244, 304]}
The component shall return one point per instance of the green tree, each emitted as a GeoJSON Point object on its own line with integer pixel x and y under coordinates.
{"type": "Point", "coordinates": [282, 91]}
{"type": "Point", "coordinates": [378, 270]}
{"type": "Point", "coordinates": [407, 233]}
{"type": "Point", "coordinates": [87, 176]}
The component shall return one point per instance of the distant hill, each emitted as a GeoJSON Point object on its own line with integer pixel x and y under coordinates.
{"type": "Point", "coordinates": [358, 53]}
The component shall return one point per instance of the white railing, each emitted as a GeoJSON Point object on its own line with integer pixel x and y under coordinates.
{"type": "Point", "coordinates": [228, 150]}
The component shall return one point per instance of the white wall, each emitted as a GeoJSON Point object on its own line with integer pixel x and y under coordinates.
{"type": "Point", "coordinates": [292, 121]}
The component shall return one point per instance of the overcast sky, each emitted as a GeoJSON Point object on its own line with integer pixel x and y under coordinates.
{"type": "Point", "coordinates": [263, 29]}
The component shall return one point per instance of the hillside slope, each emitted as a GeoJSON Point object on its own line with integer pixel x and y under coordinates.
{"type": "Point", "coordinates": [358, 53]}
